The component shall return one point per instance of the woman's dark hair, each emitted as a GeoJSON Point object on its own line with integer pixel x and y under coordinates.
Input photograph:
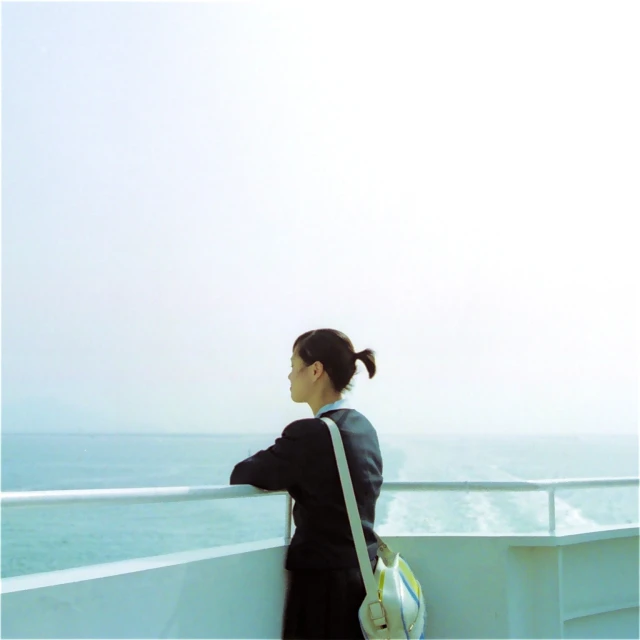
{"type": "Point", "coordinates": [337, 355]}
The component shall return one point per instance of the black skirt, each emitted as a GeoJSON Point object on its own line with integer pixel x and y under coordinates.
{"type": "Point", "coordinates": [323, 604]}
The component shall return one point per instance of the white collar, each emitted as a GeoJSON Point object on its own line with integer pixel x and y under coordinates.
{"type": "Point", "coordinates": [338, 404]}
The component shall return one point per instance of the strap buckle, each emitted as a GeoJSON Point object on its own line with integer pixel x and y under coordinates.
{"type": "Point", "coordinates": [378, 615]}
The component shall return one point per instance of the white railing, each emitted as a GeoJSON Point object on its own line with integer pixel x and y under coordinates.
{"type": "Point", "coordinates": [222, 492]}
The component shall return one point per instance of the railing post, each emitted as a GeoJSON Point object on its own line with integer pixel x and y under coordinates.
{"type": "Point", "coordinates": [288, 517]}
{"type": "Point", "coordinates": [551, 494]}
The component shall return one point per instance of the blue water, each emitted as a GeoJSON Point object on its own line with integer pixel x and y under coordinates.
{"type": "Point", "coordinates": [45, 539]}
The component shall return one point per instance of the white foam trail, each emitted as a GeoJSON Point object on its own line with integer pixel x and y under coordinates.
{"type": "Point", "coordinates": [473, 511]}
{"type": "Point", "coordinates": [566, 514]}
{"type": "Point", "coordinates": [398, 519]}
{"type": "Point", "coordinates": [485, 517]}
{"type": "Point", "coordinates": [571, 516]}
{"type": "Point", "coordinates": [410, 513]}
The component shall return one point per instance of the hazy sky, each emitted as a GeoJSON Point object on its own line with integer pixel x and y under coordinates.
{"type": "Point", "coordinates": [188, 187]}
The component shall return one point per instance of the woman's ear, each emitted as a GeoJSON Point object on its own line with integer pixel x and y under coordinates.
{"type": "Point", "coordinates": [318, 368]}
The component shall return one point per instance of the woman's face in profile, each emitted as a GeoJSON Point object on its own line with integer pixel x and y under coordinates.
{"type": "Point", "coordinates": [297, 378]}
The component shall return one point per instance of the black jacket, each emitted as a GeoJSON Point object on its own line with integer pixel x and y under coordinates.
{"type": "Point", "coordinates": [303, 463]}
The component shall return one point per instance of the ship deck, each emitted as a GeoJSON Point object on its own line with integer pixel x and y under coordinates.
{"type": "Point", "coordinates": [579, 584]}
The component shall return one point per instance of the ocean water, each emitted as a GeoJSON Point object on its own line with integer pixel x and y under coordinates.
{"type": "Point", "coordinates": [45, 539]}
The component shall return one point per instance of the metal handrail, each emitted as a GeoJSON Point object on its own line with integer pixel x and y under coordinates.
{"type": "Point", "coordinates": [129, 496]}
{"type": "Point", "coordinates": [222, 492]}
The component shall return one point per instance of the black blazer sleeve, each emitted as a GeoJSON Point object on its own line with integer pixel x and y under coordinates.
{"type": "Point", "coordinates": [276, 468]}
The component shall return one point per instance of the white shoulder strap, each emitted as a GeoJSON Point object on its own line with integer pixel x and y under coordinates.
{"type": "Point", "coordinates": [352, 510]}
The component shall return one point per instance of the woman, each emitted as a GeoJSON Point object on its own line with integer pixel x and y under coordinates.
{"type": "Point", "coordinates": [325, 586]}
